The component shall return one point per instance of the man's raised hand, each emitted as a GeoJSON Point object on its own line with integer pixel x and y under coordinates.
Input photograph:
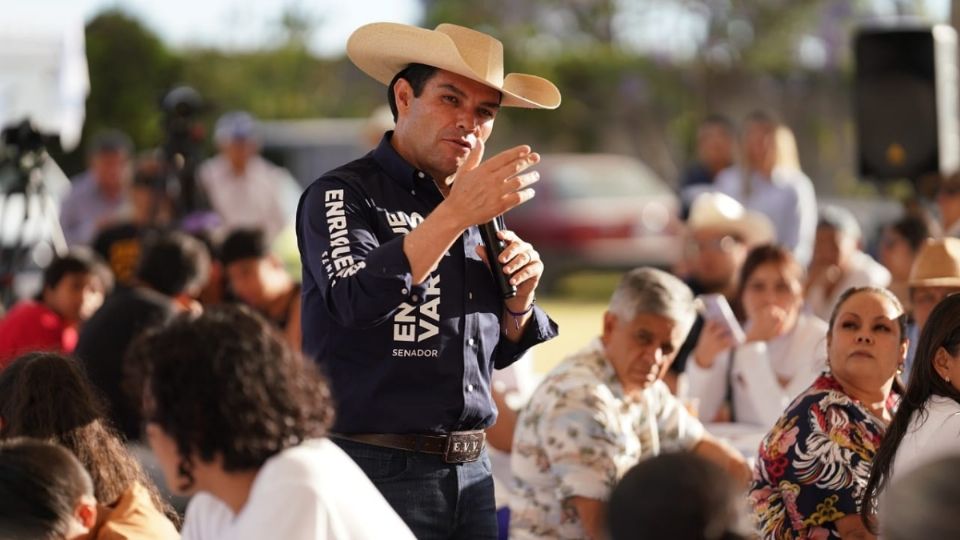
{"type": "Point", "coordinates": [482, 191]}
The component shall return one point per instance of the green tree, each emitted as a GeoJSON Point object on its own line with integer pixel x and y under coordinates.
{"type": "Point", "coordinates": [130, 70]}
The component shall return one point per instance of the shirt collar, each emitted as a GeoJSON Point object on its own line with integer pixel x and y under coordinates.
{"type": "Point", "coordinates": [605, 371]}
{"type": "Point", "coordinates": [395, 166]}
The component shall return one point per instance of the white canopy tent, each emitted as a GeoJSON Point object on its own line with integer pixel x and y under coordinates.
{"type": "Point", "coordinates": [43, 79]}
{"type": "Point", "coordinates": [43, 74]}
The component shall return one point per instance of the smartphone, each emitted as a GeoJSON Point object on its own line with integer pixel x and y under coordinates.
{"type": "Point", "coordinates": [714, 307]}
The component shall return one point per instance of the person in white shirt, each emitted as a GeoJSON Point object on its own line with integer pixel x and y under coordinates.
{"type": "Point", "coordinates": [237, 419]}
{"type": "Point", "coordinates": [926, 427]}
{"type": "Point", "coordinates": [784, 351]}
{"type": "Point", "coordinates": [839, 262]}
{"type": "Point", "coordinates": [769, 180]}
{"type": "Point", "coordinates": [923, 502]}
{"type": "Point", "coordinates": [243, 188]}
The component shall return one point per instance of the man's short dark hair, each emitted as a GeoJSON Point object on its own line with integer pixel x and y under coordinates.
{"type": "Point", "coordinates": [719, 121]}
{"type": "Point", "coordinates": [110, 141]}
{"type": "Point", "coordinates": [40, 485]}
{"type": "Point", "coordinates": [78, 260]}
{"type": "Point", "coordinates": [173, 263]}
{"type": "Point", "coordinates": [415, 74]}
{"type": "Point", "coordinates": [227, 383]}
{"type": "Point", "coordinates": [243, 244]}
{"type": "Point", "coordinates": [913, 229]}
{"type": "Point", "coordinates": [761, 117]}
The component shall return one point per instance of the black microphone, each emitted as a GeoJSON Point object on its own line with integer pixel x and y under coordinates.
{"type": "Point", "coordinates": [494, 247]}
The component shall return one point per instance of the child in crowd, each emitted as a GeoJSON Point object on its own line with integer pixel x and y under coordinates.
{"type": "Point", "coordinates": [73, 289]}
{"type": "Point", "coordinates": [258, 278]}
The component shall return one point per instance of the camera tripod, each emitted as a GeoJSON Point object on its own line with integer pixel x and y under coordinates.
{"type": "Point", "coordinates": [28, 214]}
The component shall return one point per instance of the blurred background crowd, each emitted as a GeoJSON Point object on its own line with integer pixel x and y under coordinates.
{"type": "Point", "coordinates": [728, 143]}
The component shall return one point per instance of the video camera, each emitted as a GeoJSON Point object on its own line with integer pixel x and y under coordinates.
{"type": "Point", "coordinates": [23, 151]}
{"type": "Point", "coordinates": [183, 147]}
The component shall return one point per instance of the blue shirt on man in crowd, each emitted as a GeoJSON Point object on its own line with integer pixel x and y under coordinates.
{"type": "Point", "coordinates": [401, 357]}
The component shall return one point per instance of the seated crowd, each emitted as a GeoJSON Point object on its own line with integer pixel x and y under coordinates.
{"type": "Point", "coordinates": [161, 392]}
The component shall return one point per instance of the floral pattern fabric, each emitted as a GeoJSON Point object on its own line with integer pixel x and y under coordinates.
{"type": "Point", "coordinates": [577, 437]}
{"type": "Point", "coordinates": [814, 464]}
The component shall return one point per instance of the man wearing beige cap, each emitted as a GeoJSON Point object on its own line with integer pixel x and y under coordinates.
{"type": "Point", "coordinates": [720, 233]}
{"type": "Point", "coordinates": [400, 307]}
{"type": "Point", "coordinates": [934, 276]}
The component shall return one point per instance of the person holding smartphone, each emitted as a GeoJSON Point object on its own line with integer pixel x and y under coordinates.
{"type": "Point", "coordinates": [782, 350]}
{"type": "Point", "coordinates": [720, 233]}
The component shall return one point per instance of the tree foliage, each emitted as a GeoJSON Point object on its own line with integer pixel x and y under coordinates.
{"type": "Point", "coordinates": [623, 90]}
{"type": "Point", "coordinates": [130, 69]}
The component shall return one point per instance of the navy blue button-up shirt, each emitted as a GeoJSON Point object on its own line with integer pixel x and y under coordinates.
{"type": "Point", "coordinates": [400, 357]}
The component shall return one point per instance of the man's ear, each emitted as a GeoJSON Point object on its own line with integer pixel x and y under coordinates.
{"type": "Point", "coordinates": [403, 95]}
{"type": "Point", "coordinates": [609, 322]}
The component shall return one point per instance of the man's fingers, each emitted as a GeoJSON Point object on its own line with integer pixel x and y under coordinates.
{"type": "Point", "coordinates": [507, 236]}
{"type": "Point", "coordinates": [522, 249]}
{"type": "Point", "coordinates": [508, 156]}
{"type": "Point", "coordinates": [522, 180]}
{"type": "Point", "coordinates": [520, 260]}
{"type": "Point", "coordinates": [529, 271]}
{"type": "Point", "coordinates": [510, 162]}
{"type": "Point", "coordinates": [519, 197]}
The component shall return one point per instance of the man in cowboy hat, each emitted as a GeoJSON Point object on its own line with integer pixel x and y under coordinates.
{"type": "Point", "coordinates": [720, 234]}
{"type": "Point", "coordinates": [934, 276]}
{"type": "Point", "coordinates": [399, 304]}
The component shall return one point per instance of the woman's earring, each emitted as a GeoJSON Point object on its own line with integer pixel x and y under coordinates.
{"type": "Point", "coordinates": [900, 369]}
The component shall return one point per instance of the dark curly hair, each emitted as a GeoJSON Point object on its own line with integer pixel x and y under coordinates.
{"type": "Point", "coordinates": [47, 396]}
{"type": "Point", "coordinates": [227, 383]}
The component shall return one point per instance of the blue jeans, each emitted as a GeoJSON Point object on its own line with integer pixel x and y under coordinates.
{"type": "Point", "coordinates": [436, 500]}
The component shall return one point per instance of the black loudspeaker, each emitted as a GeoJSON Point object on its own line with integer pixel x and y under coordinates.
{"type": "Point", "coordinates": [905, 96]}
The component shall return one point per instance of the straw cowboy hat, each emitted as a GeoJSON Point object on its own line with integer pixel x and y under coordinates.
{"type": "Point", "coordinates": [381, 50]}
{"type": "Point", "coordinates": [719, 211]}
{"type": "Point", "coordinates": [937, 264]}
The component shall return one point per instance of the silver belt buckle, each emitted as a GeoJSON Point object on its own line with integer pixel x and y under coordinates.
{"type": "Point", "coordinates": [464, 446]}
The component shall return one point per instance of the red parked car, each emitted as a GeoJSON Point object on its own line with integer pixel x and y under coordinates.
{"type": "Point", "coordinates": [599, 211]}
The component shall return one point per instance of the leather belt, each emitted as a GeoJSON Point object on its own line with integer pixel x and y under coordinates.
{"type": "Point", "coordinates": [455, 447]}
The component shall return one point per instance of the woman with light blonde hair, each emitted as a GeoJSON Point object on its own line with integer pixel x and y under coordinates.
{"type": "Point", "coordinates": [788, 157]}
{"type": "Point", "coordinates": [769, 180]}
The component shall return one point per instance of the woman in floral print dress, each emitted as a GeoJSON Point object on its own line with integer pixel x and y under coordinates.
{"type": "Point", "coordinates": [814, 464]}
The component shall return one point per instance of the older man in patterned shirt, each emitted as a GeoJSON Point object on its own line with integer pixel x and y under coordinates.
{"type": "Point", "coordinates": [605, 408]}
